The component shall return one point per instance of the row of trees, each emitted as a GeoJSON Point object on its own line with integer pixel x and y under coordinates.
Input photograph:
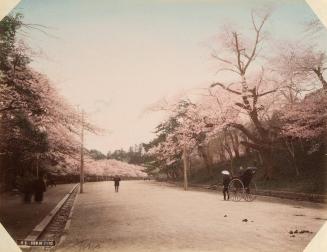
{"type": "Point", "coordinates": [112, 167]}
{"type": "Point", "coordinates": [134, 155]}
{"type": "Point", "coordinates": [270, 100]}
{"type": "Point", "coordinates": [38, 128]}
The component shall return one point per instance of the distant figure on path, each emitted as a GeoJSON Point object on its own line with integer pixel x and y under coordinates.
{"type": "Point", "coordinates": [39, 189]}
{"type": "Point", "coordinates": [28, 188]}
{"type": "Point", "coordinates": [226, 180]}
{"type": "Point", "coordinates": [51, 182]}
{"type": "Point", "coordinates": [116, 180]}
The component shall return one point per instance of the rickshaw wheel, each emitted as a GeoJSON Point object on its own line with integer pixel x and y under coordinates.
{"type": "Point", "coordinates": [236, 189]}
{"type": "Point", "coordinates": [250, 192]}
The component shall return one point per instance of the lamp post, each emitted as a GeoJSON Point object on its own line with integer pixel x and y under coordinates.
{"type": "Point", "coordinates": [82, 155]}
{"type": "Point", "coordinates": [42, 130]}
{"type": "Point", "coordinates": [185, 166]}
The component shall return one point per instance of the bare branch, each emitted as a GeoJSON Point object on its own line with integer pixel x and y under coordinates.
{"type": "Point", "coordinates": [257, 39]}
{"type": "Point", "coordinates": [241, 105]}
{"type": "Point", "coordinates": [320, 76]}
{"type": "Point", "coordinates": [227, 69]}
{"type": "Point", "coordinates": [40, 28]}
{"type": "Point", "coordinates": [215, 56]}
{"type": "Point", "coordinates": [226, 88]}
{"type": "Point", "coordinates": [238, 53]}
{"type": "Point", "coordinates": [268, 92]}
{"type": "Point", "coordinates": [217, 100]}
{"type": "Point", "coordinates": [251, 145]}
{"type": "Point", "coordinates": [245, 131]}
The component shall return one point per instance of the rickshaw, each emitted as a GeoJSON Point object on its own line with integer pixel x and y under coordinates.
{"type": "Point", "coordinates": [242, 186]}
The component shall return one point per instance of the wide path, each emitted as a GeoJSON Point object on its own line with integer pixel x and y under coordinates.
{"type": "Point", "coordinates": [149, 216]}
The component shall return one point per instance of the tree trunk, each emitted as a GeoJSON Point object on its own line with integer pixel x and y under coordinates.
{"type": "Point", "coordinates": [229, 151]}
{"type": "Point", "coordinates": [318, 72]}
{"type": "Point", "coordinates": [268, 165]}
{"type": "Point", "coordinates": [221, 152]}
{"type": "Point", "coordinates": [203, 153]}
{"type": "Point", "coordinates": [168, 175]}
{"type": "Point", "coordinates": [235, 144]}
{"type": "Point", "coordinates": [190, 168]}
{"type": "Point", "coordinates": [291, 151]}
{"type": "Point", "coordinates": [186, 167]}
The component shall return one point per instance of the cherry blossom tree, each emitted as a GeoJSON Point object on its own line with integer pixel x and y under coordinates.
{"type": "Point", "coordinates": [186, 131]}
{"type": "Point", "coordinates": [111, 167]}
{"type": "Point", "coordinates": [250, 84]}
{"type": "Point", "coordinates": [38, 127]}
{"type": "Point", "coordinates": [302, 66]}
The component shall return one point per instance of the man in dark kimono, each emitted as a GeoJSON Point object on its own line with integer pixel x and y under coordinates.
{"type": "Point", "coordinates": [39, 189]}
{"type": "Point", "coordinates": [116, 180]}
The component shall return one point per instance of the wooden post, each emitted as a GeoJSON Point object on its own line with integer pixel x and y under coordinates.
{"type": "Point", "coordinates": [82, 155]}
{"type": "Point", "coordinates": [185, 165]}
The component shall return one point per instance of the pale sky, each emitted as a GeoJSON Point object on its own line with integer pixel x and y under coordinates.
{"type": "Point", "coordinates": [115, 58]}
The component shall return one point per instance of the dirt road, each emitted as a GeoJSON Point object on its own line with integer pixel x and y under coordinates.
{"type": "Point", "coordinates": [148, 216]}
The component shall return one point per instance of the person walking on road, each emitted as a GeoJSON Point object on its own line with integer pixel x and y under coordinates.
{"type": "Point", "coordinates": [116, 180]}
{"type": "Point", "coordinates": [226, 180]}
{"type": "Point", "coordinates": [39, 189]}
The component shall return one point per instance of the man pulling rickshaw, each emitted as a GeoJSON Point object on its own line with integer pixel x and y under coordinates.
{"type": "Point", "coordinates": [240, 186]}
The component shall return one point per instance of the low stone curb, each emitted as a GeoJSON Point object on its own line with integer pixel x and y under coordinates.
{"type": "Point", "coordinates": [37, 231]}
{"type": "Point", "coordinates": [67, 226]}
{"type": "Point", "coordinates": [319, 198]}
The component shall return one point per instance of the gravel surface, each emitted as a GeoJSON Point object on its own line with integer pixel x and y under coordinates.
{"type": "Point", "coordinates": [150, 216]}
